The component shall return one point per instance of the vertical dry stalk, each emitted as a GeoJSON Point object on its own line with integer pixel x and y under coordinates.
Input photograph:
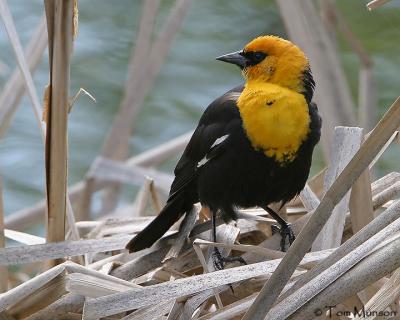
{"type": "Point", "coordinates": [118, 141]}
{"type": "Point", "coordinates": [346, 142]}
{"type": "Point", "coordinates": [376, 4]}
{"type": "Point", "coordinates": [137, 90]}
{"type": "Point", "coordinates": [367, 97]}
{"type": "Point", "coordinates": [329, 20]}
{"type": "Point", "coordinates": [367, 87]}
{"type": "Point", "coordinates": [309, 198]}
{"type": "Point", "coordinates": [14, 88]}
{"type": "Point", "coordinates": [19, 54]}
{"type": "Point", "coordinates": [203, 262]}
{"type": "Point", "coordinates": [59, 26]}
{"type": "Point", "coordinates": [116, 144]}
{"type": "Point", "coordinates": [370, 148]}
{"type": "Point", "coordinates": [143, 197]}
{"type": "Point", "coordinates": [155, 200]}
{"type": "Point", "coordinates": [3, 269]}
{"type": "Point", "coordinates": [360, 205]}
{"type": "Point", "coordinates": [23, 66]}
{"type": "Point", "coordinates": [136, 73]}
{"type": "Point", "coordinates": [152, 157]}
{"type": "Point", "coordinates": [85, 199]}
{"type": "Point", "coordinates": [306, 29]}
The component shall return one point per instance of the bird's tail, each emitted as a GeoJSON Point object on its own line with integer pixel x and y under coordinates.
{"type": "Point", "coordinates": [172, 211]}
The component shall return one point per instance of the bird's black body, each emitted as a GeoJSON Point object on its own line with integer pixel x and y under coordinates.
{"type": "Point", "coordinates": [232, 173]}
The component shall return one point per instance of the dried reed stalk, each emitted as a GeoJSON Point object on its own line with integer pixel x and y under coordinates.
{"type": "Point", "coordinates": [270, 254]}
{"type": "Point", "coordinates": [362, 275]}
{"type": "Point", "coordinates": [360, 205]}
{"type": "Point", "coordinates": [60, 33]}
{"type": "Point", "coordinates": [133, 299]}
{"type": "Point", "coordinates": [136, 72]}
{"type": "Point", "coordinates": [153, 312]}
{"type": "Point", "coordinates": [183, 234]}
{"type": "Point", "coordinates": [367, 87]}
{"type": "Point", "coordinates": [309, 198]}
{"type": "Point", "coordinates": [311, 201]}
{"type": "Point", "coordinates": [24, 238]}
{"type": "Point", "coordinates": [61, 249]}
{"type": "Point", "coordinates": [116, 144]}
{"type": "Point", "coordinates": [292, 303]}
{"type": "Point", "coordinates": [29, 216]}
{"type": "Point", "coordinates": [367, 98]}
{"type": "Point", "coordinates": [305, 28]}
{"type": "Point", "coordinates": [346, 142]}
{"type": "Point", "coordinates": [115, 171]}
{"type": "Point", "coordinates": [231, 311]}
{"type": "Point", "coordinates": [14, 88]}
{"type": "Point", "coordinates": [227, 234]}
{"type": "Point", "coordinates": [387, 295]}
{"type": "Point", "coordinates": [369, 149]}
{"type": "Point", "coordinates": [61, 309]}
{"type": "Point", "coordinates": [384, 219]}
{"type": "Point", "coordinates": [376, 4]}
{"type": "Point", "coordinates": [94, 287]}
{"type": "Point", "coordinates": [198, 301]}
{"type": "Point", "coordinates": [3, 270]}
{"type": "Point", "coordinates": [142, 198]}
{"type": "Point", "coordinates": [117, 141]}
{"type": "Point", "coordinates": [15, 295]}
{"type": "Point", "coordinates": [36, 48]}
{"type": "Point", "coordinates": [140, 86]}
{"type": "Point", "coordinates": [19, 53]}
{"type": "Point", "coordinates": [387, 144]}
{"type": "Point", "coordinates": [390, 193]}
{"type": "Point", "coordinates": [155, 199]}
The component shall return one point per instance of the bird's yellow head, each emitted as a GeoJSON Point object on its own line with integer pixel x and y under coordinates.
{"type": "Point", "coordinates": [274, 102]}
{"type": "Point", "coordinates": [274, 60]}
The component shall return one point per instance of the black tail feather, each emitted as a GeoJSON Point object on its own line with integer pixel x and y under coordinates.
{"type": "Point", "coordinates": [172, 211]}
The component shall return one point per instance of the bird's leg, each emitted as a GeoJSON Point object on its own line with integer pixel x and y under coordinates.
{"type": "Point", "coordinates": [216, 256]}
{"type": "Point", "coordinates": [218, 260]}
{"type": "Point", "coordinates": [285, 229]}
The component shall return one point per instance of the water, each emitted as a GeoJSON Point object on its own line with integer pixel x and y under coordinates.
{"type": "Point", "coordinates": [188, 82]}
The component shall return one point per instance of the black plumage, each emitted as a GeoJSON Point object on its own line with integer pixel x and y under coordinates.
{"type": "Point", "coordinates": [231, 173]}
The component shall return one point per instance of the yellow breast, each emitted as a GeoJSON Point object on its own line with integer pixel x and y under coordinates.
{"type": "Point", "coordinates": [275, 119]}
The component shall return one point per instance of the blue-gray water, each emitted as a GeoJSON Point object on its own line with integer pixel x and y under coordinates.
{"type": "Point", "coordinates": [188, 82]}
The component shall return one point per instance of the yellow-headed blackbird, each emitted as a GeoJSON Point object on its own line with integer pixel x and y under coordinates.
{"type": "Point", "coordinates": [253, 145]}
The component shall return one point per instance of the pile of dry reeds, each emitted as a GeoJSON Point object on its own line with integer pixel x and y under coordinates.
{"type": "Point", "coordinates": [345, 258]}
{"type": "Point", "coordinates": [176, 278]}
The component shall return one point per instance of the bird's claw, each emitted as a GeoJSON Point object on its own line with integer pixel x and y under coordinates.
{"type": "Point", "coordinates": [286, 232]}
{"type": "Point", "coordinates": [219, 261]}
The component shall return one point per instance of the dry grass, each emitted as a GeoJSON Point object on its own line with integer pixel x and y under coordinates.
{"type": "Point", "coordinates": [167, 281]}
{"type": "Point", "coordinates": [353, 262]}
{"type": "Point", "coordinates": [59, 27]}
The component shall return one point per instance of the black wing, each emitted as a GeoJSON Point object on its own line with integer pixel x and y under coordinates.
{"type": "Point", "coordinates": [315, 124]}
{"type": "Point", "coordinates": [204, 143]}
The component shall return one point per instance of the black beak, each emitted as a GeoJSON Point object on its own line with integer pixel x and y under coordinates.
{"type": "Point", "coordinates": [235, 58]}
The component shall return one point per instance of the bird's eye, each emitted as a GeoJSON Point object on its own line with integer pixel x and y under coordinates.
{"type": "Point", "coordinates": [254, 57]}
{"type": "Point", "coordinates": [259, 56]}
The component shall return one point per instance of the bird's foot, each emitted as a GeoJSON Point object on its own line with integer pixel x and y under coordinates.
{"type": "Point", "coordinates": [286, 232]}
{"type": "Point", "coordinates": [219, 261]}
